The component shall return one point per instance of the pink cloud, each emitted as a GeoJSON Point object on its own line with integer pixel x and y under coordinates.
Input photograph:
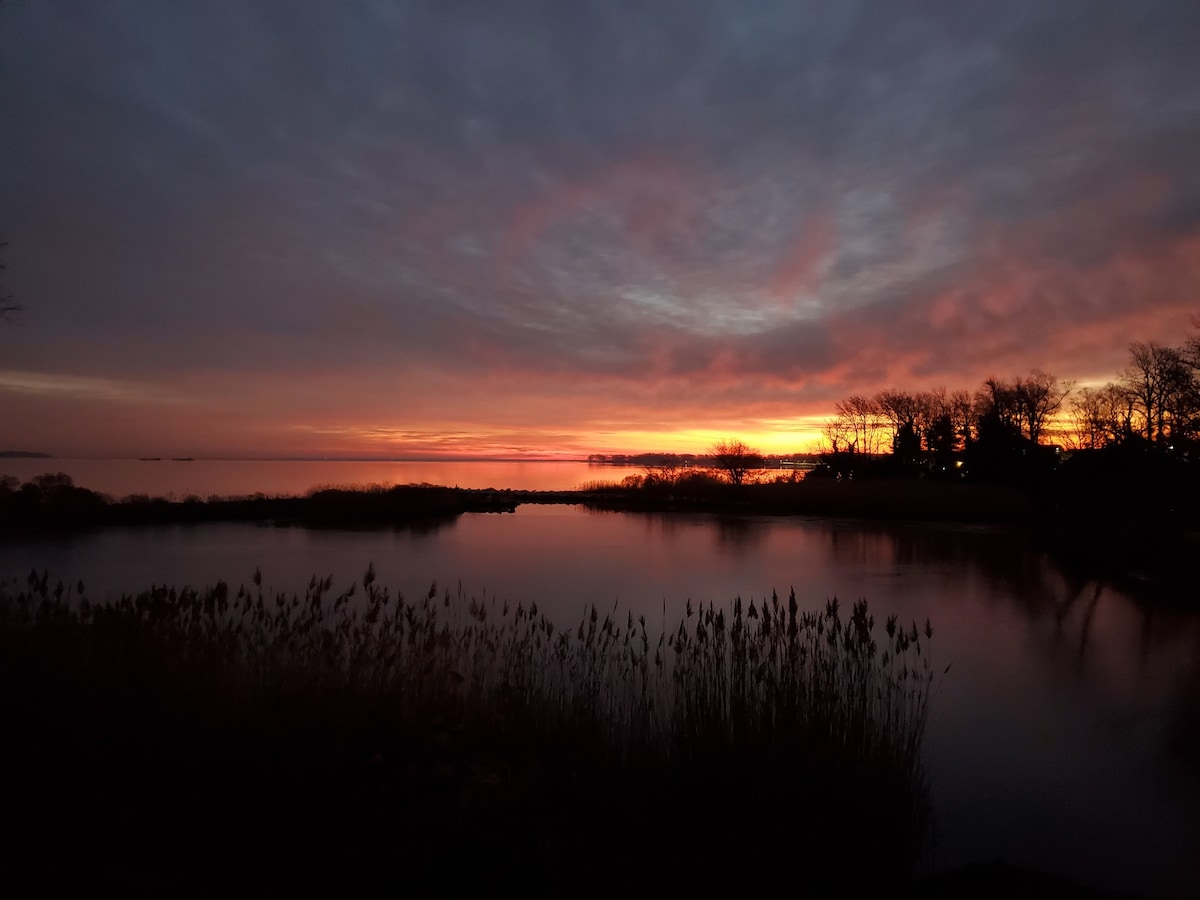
{"type": "Point", "coordinates": [650, 194]}
{"type": "Point", "coordinates": [798, 270]}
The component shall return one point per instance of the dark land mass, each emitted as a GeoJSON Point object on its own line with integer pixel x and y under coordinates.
{"type": "Point", "coordinates": [23, 454]}
{"type": "Point", "coordinates": [51, 503]}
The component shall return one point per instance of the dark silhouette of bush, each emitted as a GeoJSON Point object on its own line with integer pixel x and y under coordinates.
{"type": "Point", "coordinates": [735, 459]}
{"type": "Point", "coordinates": [54, 502]}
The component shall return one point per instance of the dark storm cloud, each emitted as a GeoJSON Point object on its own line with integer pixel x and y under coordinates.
{"type": "Point", "coordinates": [818, 193]}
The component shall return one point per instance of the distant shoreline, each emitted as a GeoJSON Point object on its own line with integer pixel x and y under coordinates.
{"type": "Point", "coordinates": [335, 460]}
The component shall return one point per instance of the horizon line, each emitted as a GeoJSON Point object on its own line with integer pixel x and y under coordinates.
{"type": "Point", "coordinates": [386, 459]}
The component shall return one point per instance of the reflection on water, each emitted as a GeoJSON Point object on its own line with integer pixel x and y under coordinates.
{"type": "Point", "coordinates": [1064, 737]}
{"type": "Point", "coordinates": [740, 535]}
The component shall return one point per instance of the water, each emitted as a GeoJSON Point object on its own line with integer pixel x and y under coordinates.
{"type": "Point", "coordinates": [230, 477]}
{"type": "Point", "coordinates": [1062, 739]}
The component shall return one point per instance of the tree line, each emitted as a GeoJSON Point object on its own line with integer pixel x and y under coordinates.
{"type": "Point", "coordinates": [1023, 421]}
{"type": "Point", "coordinates": [1155, 402]}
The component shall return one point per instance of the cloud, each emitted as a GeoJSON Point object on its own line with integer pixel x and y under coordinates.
{"type": "Point", "coordinates": [49, 386]}
{"type": "Point", "coordinates": [689, 209]}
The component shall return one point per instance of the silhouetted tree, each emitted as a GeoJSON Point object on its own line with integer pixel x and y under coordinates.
{"type": "Point", "coordinates": [1101, 417]}
{"type": "Point", "coordinates": [902, 412]}
{"type": "Point", "coordinates": [836, 436]}
{"type": "Point", "coordinates": [735, 459]}
{"type": "Point", "coordinates": [7, 304]}
{"type": "Point", "coordinates": [994, 454]}
{"type": "Point", "coordinates": [1040, 396]}
{"type": "Point", "coordinates": [906, 445]}
{"type": "Point", "coordinates": [1162, 391]}
{"type": "Point", "coordinates": [946, 423]}
{"type": "Point", "coordinates": [996, 404]}
{"type": "Point", "coordinates": [1025, 404]}
{"type": "Point", "coordinates": [941, 440]}
{"type": "Point", "coordinates": [862, 423]}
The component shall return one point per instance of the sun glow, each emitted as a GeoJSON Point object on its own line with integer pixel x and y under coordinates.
{"type": "Point", "coordinates": [784, 436]}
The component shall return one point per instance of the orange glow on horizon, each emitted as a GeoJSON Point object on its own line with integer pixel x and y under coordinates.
{"type": "Point", "coordinates": [800, 436]}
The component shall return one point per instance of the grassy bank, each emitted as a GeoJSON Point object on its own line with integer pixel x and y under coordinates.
{"type": "Point", "coordinates": [883, 499]}
{"type": "Point", "coordinates": [53, 502]}
{"type": "Point", "coordinates": [448, 740]}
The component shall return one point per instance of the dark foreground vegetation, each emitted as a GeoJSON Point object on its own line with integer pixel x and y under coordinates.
{"type": "Point", "coordinates": [53, 502]}
{"type": "Point", "coordinates": [231, 740]}
{"type": "Point", "coordinates": [704, 491]}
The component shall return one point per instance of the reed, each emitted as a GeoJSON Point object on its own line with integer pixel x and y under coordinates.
{"type": "Point", "coordinates": [479, 717]}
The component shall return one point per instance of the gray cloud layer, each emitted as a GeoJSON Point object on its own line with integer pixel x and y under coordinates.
{"type": "Point", "coordinates": [798, 198]}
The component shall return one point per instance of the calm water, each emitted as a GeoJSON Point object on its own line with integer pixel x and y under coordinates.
{"type": "Point", "coordinates": [1064, 737]}
{"type": "Point", "coordinates": [225, 477]}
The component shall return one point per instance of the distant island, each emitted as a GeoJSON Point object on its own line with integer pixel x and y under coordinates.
{"type": "Point", "coordinates": [693, 460]}
{"type": "Point", "coordinates": [24, 454]}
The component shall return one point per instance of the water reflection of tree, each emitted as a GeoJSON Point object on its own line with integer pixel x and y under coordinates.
{"type": "Point", "coordinates": [1003, 559]}
{"type": "Point", "coordinates": [861, 544]}
{"type": "Point", "coordinates": [1080, 592]}
{"type": "Point", "coordinates": [1184, 730]}
{"type": "Point", "coordinates": [1083, 594]}
{"type": "Point", "coordinates": [426, 529]}
{"type": "Point", "coordinates": [1154, 649]}
{"type": "Point", "coordinates": [738, 534]}
{"type": "Point", "coordinates": [1042, 587]}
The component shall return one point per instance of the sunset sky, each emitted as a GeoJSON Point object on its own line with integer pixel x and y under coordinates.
{"type": "Point", "coordinates": [507, 228]}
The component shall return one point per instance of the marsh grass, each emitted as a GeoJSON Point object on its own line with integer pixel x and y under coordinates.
{"type": "Point", "coordinates": [53, 503]}
{"type": "Point", "coordinates": [449, 722]}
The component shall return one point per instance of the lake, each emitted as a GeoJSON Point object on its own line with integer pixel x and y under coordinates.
{"type": "Point", "coordinates": [1064, 737]}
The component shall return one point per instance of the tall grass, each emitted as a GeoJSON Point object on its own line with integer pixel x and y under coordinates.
{"type": "Point", "coordinates": [481, 717]}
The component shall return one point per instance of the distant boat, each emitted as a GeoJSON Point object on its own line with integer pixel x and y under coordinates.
{"type": "Point", "coordinates": [149, 458]}
{"type": "Point", "coordinates": [182, 459]}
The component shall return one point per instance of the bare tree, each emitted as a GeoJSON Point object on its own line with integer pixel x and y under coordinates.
{"type": "Point", "coordinates": [1101, 416]}
{"type": "Point", "coordinates": [1161, 388]}
{"type": "Point", "coordinates": [960, 410]}
{"type": "Point", "coordinates": [944, 423]}
{"type": "Point", "coordinates": [7, 304]}
{"type": "Point", "coordinates": [836, 435]}
{"type": "Point", "coordinates": [1191, 349]}
{"type": "Point", "coordinates": [735, 459]}
{"type": "Point", "coordinates": [1000, 401]}
{"type": "Point", "coordinates": [1024, 405]}
{"type": "Point", "coordinates": [863, 421]}
{"type": "Point", "coordinates": [1040, 395]}
{"type": "Point", "coordinates": [945, 419]}
{"type": "Point", "coordinates": [903, 413]}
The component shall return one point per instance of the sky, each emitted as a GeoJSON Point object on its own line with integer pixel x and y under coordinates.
{"type": "Point", "coordinates": [556, 228]}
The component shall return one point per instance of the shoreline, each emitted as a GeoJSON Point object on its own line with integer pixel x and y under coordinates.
{"type": "Point", "coordinates": [58, 503]}
{"type": "Point", "coordinates": [1144, 550]}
